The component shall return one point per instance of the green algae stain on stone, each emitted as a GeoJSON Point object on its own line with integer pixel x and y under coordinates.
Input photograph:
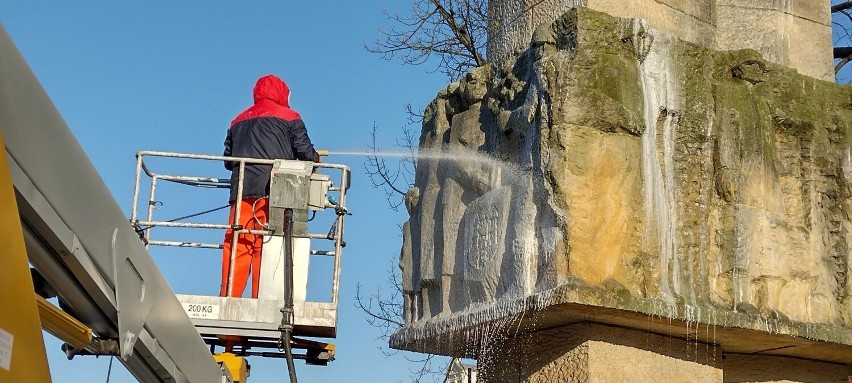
{"type": "Point", "coordinates": [755, 171]}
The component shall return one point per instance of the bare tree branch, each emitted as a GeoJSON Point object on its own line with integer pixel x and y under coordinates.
{"type": "Point", "coordinates": [842, 23]}
{"type": "Point", "coordinates": [842, 52]}
{"type": "Point", "coordinates": [841, 7]}
{"type": "Point", "coordinates": [394, 181]}
{"type": "Point", "coordinates": [461, 31]}
{"type": "Point", "coordinates": [453, 31]}
{"type": "Point", "coordinates": [384, 311]}
{"type": "Point", "coordinates": [841, 63]}
{"type": "Point", "coordinates": [415, 117]}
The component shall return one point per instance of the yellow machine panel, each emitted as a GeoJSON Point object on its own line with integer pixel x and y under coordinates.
{"type": "Point", "coordinates": [22, 355]}
{"type": "Point", "coordinates": [236, 365]}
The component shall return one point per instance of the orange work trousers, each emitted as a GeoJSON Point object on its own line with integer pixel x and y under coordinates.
{"type": "Point", "coordinates": [253, 213]}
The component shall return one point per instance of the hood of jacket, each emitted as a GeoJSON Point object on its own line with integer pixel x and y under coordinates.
{"type": "Point", "coordinates": [272, 88]}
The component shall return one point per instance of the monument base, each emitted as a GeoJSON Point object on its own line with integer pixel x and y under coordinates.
{"type": "Point", "coordinates": [588, 352]}
{"type": "Point", "coordinates": [763, 368]}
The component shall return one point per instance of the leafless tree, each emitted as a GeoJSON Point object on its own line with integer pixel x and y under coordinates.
{"type": "Point", "coordinates": [841, 19]}
{"type": "Point", "coordinates": [453, 31]}
{"type": "Point", "coordinates": [384, 307]}
{"type": "Point", "coordinates": [383, 310]}
{"type": "Point", "coordinates": [393, 171]}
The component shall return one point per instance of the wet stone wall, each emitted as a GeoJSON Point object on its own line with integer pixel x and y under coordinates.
{"type": "Point", "coordinates": [794, 33]}
{"type": "Point", "coordinates": [614, 165]}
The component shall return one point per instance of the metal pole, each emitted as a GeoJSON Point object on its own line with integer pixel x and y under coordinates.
{"type": "Point", "coordinates": [151, 208]}
{"type": "Point", "coordinates": [200, 245]}
{"type": "Point", "coordinates": [238, 202]}
{"type": "Point", "coordinates": [184, 224]}
{"type": "Point", "coordinates": [214, 158]}
{"type": "Point", "coordinates": [338, 238]}
{"type": "Point", "coordinates": [136, 187]}
{"type": "Point", "coordinates": [287, 312]}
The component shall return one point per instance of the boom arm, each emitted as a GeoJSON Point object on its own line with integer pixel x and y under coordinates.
{"type": "Point", "coordinates": [79, 240]}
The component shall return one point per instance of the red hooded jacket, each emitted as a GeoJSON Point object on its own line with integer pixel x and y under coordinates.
{"type": "Point", "coordinates": [269, 129]}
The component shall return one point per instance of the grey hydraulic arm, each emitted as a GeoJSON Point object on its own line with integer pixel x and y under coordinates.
{"type": "Point", "coordinates": [80, 240]}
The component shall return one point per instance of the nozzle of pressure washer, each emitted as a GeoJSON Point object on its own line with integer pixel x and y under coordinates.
{"type": "Point", "coordinates": [322, 152]}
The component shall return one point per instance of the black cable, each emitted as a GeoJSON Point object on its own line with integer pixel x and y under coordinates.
{"type": "Point", "coordinates": [109, 369]}
{"type": "Point", "coordinates": [197, 214]}
{"type": "Point", "coordinates": [203, 184]}
{"type": "Point", "coordinates": [287, 312]}
{"type": "Point", "coordinates": [142, 229]}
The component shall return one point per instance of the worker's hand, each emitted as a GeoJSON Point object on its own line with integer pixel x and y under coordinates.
{"type": "Point", "coordinates": [319, 159]}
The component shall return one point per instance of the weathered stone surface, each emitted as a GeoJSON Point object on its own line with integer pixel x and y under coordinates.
{"type": "Point", "coordinates": [794, 33]}
{"type": "Point", "coordinates": [755, 368]}
{"type": "Point", "coordinates": [613, 172]}
{"type": "Point", "coordinates": [594, 353]}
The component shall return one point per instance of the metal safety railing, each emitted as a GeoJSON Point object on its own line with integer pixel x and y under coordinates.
{"type": "Point", "coordinates": [145, 227]}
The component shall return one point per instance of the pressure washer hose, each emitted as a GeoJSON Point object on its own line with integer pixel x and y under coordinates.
{"type": "Point", "coordinates": [288, 297]}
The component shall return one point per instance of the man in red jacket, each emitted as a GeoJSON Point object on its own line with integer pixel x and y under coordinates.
{"type": "Point", "coordinates": [269, 129]}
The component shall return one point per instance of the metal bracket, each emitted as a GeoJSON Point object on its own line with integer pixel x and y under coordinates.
{"type": "Point", "coordinates": [130, 294]}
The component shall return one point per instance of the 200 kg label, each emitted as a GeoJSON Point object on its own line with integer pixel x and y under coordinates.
{"type": "Point", "coordinates": [203, 309]}
{"type": "Point", "coordinates": [195, 310]}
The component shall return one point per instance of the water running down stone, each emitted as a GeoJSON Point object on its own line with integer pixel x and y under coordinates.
{"type": "Point", "coordinates": [644, 183]}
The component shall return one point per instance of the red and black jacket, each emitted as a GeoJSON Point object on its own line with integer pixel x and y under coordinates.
{"type": "Point", "coordinates": [269, 129]}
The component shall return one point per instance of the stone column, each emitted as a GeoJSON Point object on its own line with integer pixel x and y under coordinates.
{"type": "Point", "coordinates": [795, 33]}
{"type": "Point", "coordinates": [691, 20]}
{"type": "Point", "coordinates": [511, 23]}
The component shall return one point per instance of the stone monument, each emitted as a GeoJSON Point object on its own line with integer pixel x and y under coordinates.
{"type": "Point", "coordinates": [623, 201]}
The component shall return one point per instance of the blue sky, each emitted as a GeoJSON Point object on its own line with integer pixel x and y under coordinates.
{"type": "Point", "coordinates": [842, 27]}
{"type": "Point", "coordinates": [164, 75]}
{"type": "Point", "coordinates": [170, 75]}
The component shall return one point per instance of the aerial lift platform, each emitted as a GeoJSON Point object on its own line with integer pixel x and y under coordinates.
{"type": "Point", "coordinates": [280, 315]}
{"type": "Point", "coordinates": [112, 298]}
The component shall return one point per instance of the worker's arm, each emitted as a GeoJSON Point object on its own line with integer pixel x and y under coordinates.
{"type": "Point", "coordinates": [228, 164]}
{"type": "Point", "coordinates": [303, 149]}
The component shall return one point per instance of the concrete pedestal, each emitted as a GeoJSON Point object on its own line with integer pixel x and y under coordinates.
{"type": "Point", "coordinates": [592, 353]}
{"type": "Point", "coordinates": [761, 368]}
{"type": "Point", "coordinates": [595, 353]}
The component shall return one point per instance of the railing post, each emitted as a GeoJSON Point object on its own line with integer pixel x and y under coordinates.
{"type": "Point", "coordinates": [338, 238]}
{"type": "Point", "coordinates": [234, 238]}
{"type": "Point", "coordinates": [151, 198]}
{"type": "Point", "coordinates": [136, 186]}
